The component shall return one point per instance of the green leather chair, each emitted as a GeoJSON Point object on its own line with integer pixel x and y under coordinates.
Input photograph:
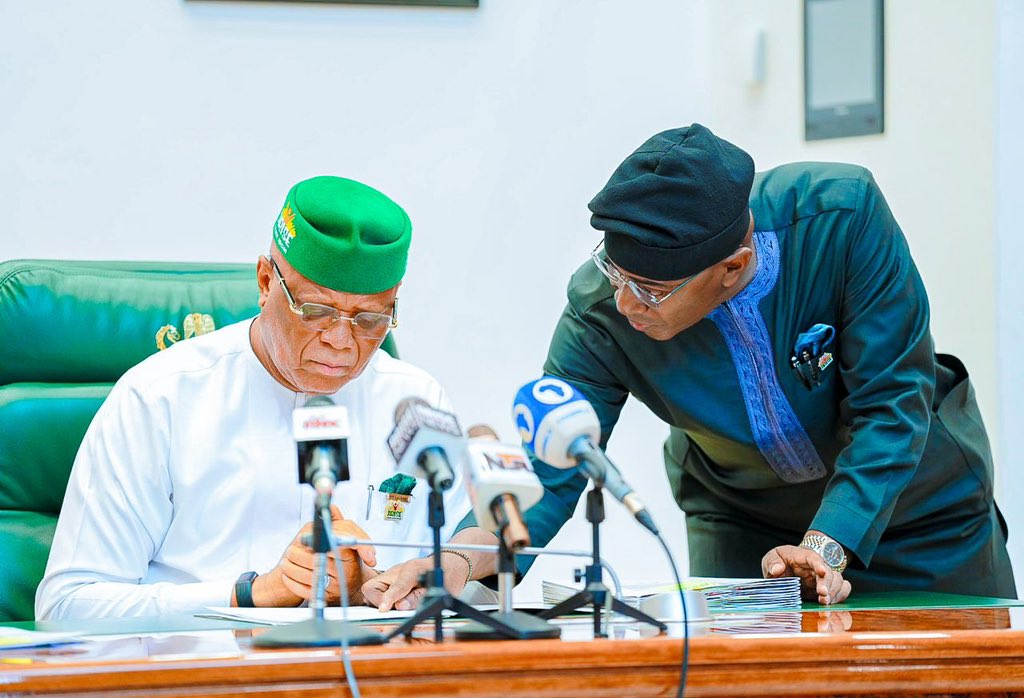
{"type": "Point", "coordinates": [68, 330]}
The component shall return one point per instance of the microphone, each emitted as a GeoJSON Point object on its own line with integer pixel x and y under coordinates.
{"type": "Point", "coordinates": [422, 438]}
{"type": "Point", "coordinates": [321, 432]}
{"type": "Point", "coordinates": [502, 485]}
{"type": "Point", "coordinates": [561, 428]}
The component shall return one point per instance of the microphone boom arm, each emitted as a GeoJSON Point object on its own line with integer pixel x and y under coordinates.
{"type": "Point", "coordinates": [351, 542]}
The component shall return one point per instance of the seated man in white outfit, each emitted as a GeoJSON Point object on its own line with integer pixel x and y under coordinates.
{"type": "Point", "coordinates": [185, 492]}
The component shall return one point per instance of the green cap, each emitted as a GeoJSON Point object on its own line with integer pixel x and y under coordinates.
{"type": "Point", "coordinates": [344, 235]}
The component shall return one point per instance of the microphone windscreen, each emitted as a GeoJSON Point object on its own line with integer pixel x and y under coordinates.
{"type": "Point", "coordinates": [551, 414]}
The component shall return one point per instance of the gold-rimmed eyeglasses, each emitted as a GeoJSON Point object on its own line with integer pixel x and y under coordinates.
{"type": "Point", "coordinates": [319, 317]}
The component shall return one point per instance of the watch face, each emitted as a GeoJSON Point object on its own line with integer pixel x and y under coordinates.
{"type": "Point", "coordinates": [832, 554]}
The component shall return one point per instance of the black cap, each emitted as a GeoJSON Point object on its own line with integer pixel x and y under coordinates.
{"type": "Point", "coordinates": [677, 205]}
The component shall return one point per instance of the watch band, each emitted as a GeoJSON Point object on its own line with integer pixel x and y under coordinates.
{"type": "Point", "coordinates": [243, 590]}
{"type": "Point", "coordinates": [819, 542]}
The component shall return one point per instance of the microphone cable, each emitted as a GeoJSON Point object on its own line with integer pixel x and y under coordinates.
{"type": "Point", "coordinates": [686, 624]}
{"type": "Point", "coordinates": [339, 569]}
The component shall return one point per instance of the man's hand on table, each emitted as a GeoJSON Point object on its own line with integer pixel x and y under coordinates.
{"type": "Point", "coordinates": [818, 581]}
{"type": "Point", "coordinates": [400, 587]}
{"type": "Point", "coordinates": [290, 583]}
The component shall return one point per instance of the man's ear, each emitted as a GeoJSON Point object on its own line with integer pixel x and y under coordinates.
{"type": "Point", "coordinates": [264, 277]}
{"type": "Point", "coordinates": [736, 265]}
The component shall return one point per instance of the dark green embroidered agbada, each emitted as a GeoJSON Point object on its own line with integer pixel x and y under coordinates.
{"type": "Point", "coordinates": [888, 455]}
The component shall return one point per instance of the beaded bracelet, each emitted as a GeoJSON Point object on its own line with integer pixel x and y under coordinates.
{"type": "Point", "coordinates": [464, 556]}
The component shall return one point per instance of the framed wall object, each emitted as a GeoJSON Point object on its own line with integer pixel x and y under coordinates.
{"type": "Point", "coordinates": [419, 3]}
{"type": "Point", "coordinates": [843, 68]}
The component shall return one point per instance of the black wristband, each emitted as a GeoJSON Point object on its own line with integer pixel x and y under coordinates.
{"type": "Point", "coordinates": [243, 590]}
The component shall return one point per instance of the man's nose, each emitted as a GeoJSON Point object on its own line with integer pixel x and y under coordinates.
{"type": "Point", "coordinates": [339, 335]}
{"type": "Point", "coordinates": [626, 301]}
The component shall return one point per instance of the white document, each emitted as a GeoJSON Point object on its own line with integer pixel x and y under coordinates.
{"type": "Point", "coordinates": [280, 616]}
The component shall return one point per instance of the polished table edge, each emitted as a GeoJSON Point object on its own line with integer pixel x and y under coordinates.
{"type": "Point", "coordinates": [719, 665]}
{"type": "Point", "coordinates": [961, 650]}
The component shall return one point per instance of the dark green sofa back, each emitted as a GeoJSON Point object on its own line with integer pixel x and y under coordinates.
{"type": "Point", "coordinates": [68, 330]}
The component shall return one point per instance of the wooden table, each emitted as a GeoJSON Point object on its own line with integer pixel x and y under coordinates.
{"type": "Point", "coordinates": [975, 651]}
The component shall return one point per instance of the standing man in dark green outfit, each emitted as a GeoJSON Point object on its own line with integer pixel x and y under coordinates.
{"type": "Point", "coordinates": [777, 323]}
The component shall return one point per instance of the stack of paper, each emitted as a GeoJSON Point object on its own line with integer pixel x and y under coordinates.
{"type": "Point", "coordinates": [722, 594]}
{"type": "Point", "coordinates": [725, 594]}
{"type": "Point", "coordinates": [786, 622]}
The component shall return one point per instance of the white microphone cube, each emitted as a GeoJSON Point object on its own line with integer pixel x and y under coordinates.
{"type": "Point", "coordinates": [320, 423]}
{"type": "Point", "coordinates": [420, 427]}
{"type": "Point", "coordinates": [321, 426]}
{"type": "Point", "coordinates": [494, 469]}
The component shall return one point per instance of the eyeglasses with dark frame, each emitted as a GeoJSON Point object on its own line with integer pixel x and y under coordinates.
{"type": "Point", "coordinates": [652, 299]}
{"type": "Point", "coordinates": [365, 324]}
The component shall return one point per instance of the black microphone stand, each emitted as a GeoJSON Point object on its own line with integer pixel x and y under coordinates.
{"type": "Point", "coordinates": [596, 592]}
{"type": "Point", "coordinates": [436, 600]}
{"type": "Point", "coordinates": [318, 631]}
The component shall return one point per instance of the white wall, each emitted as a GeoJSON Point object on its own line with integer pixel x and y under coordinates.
{"type": "Point", "coordinates": [172, 130]}
{"type": "Point", "coordinates": [1009, 252]}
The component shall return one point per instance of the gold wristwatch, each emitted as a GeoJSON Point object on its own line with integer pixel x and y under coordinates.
{"type": "Point", "coordinates": [831, 552]}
